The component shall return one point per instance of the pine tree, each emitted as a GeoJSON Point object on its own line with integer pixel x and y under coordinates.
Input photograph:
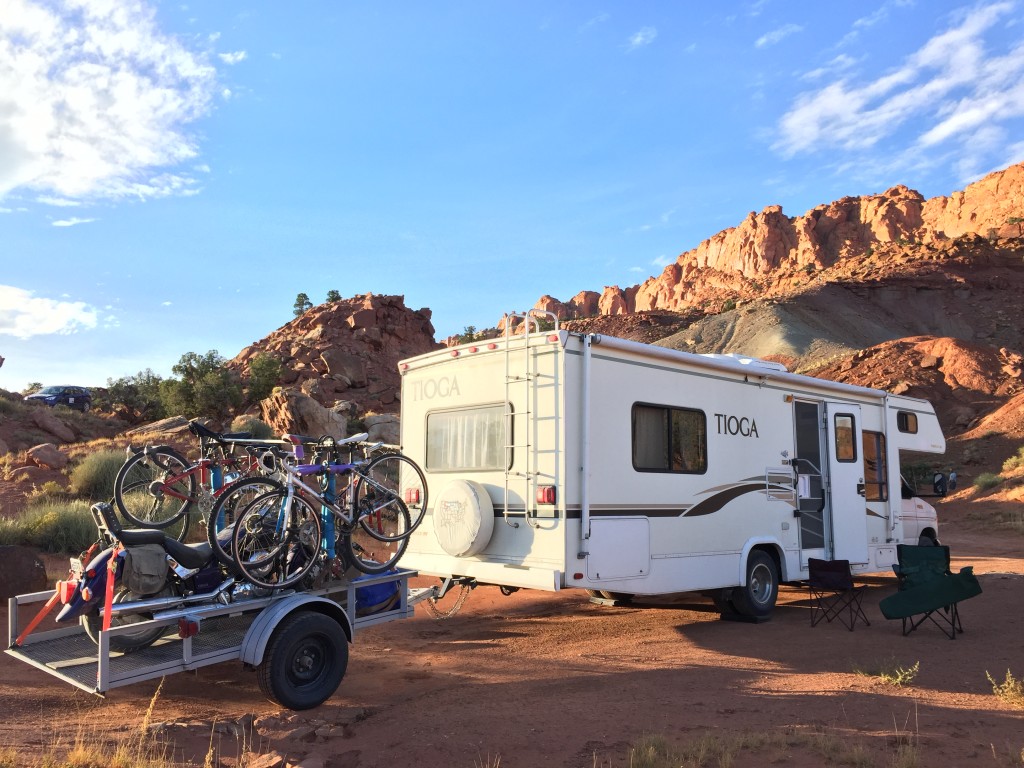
{"type": "Point", "coordinates": [333, 295]}
{"type": "Point", "coordinates": [302, 304]}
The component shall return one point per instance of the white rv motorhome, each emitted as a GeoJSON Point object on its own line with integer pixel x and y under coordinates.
{"type": "Point", "coordinates": [559, 460]}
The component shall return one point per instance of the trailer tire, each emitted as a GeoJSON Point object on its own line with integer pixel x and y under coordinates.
{"type": "Point", "coordinates": [757, 597]}
{"type": "Point", "coordinates": [305, 661]}
{"type": "Point", "coordinates": [463, 518]}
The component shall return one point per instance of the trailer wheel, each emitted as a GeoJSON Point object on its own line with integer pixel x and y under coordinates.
{"type": "Point", "coordinates": [757, 597]}
{"type": "Point", "coordinates": [304, 662]}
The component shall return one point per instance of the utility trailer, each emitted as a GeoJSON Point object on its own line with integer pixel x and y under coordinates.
{"type": "Point", "coordinates": [297, 642]}
{"type": "Point", "coordinates": [560, 460]}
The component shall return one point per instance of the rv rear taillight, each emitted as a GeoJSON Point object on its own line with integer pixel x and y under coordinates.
{"type": "Point", "coordinates": [412, 495]}
{"type": "Point", "coordinates": [553, 337]}
{"type": "Point", "coordinates": [546, 494]}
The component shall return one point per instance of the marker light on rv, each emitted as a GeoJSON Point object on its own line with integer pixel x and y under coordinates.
{"type": "Point", "coordinates": [546, 494]}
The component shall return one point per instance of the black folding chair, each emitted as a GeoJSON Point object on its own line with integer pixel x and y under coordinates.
{"type": "Point", "coordinates": [833, 593]}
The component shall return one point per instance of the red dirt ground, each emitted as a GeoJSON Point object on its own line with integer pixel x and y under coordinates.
{"type": "Point", "coordinates": [540, 679]}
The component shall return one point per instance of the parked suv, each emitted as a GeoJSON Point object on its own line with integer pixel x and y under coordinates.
{"type": "Point", "coordinates": [78, 398]}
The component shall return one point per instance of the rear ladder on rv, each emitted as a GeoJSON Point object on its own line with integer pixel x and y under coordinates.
{"type": "Point", "coordinates": [524, 380]}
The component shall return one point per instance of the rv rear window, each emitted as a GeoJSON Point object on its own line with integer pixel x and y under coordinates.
{"type": "Point", "coordinates": [906, 422]}
{"type": "Point", "coordinates": [669, 439]}
{"type": "Point", "coordinates": [467, 439]}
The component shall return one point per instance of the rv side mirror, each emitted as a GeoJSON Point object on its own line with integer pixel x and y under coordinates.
{"type": "Point", "coordinates": [939, 484]}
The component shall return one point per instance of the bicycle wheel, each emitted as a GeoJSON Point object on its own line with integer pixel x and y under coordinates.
{"type": "Point", "coordinates": [276, 541]}
{"type": "Point", "coordinates": [378, 541]}
{"type": "Point", "coordinates": [232, 498]}
{"type": "Point", "coordinates": [154, 488]}
{"type": "Point", "coordinates": [394, 477]}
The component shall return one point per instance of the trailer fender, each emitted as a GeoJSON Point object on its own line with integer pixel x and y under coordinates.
{"type": "Point", "coordinates": [255, 643]}
{"type": "Point", "coordinates": [767, 543]}
{"type": "Point", "coordinates": [463, 518]}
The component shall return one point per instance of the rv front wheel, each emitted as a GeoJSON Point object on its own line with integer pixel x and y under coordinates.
{"type": "Point", "coordinates": [757, 597]}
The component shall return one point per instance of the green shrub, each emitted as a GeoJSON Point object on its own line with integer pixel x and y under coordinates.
{"type": "Point", "coordinates": [986, 481]}
{"type": "Point", "coordinates": [53, 526]}
{"type": "Point", "coordinates": [264, 371]}
{"type": "Point", "coordinates": [1011, 690]}
{"type": "Point", "coordinates": [259, 429]}
{"type": "Point", "coordinates": [1014, 462]}
{"type": "Point", "coordinates": [891, 672]}
{"type": "Point", "coordinates": [93, 478]}
{"type": "Point", "coordinates": [729, 305]}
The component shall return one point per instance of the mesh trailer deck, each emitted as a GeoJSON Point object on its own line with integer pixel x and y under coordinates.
{"type": "Point", "coordinates": [199, 635]}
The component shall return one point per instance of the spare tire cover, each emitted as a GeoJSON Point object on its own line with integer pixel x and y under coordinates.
{"type": "Point", "coordinates": [463, 518]}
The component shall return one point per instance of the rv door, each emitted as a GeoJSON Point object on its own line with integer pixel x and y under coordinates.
{"type": "Point", "coordinates": [847, 506]}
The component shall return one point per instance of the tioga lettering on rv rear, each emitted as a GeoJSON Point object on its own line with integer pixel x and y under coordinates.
{"type": "Point", "coordinates": [428, 389]}
{"type": "Point", "coordinates": [736, 425]}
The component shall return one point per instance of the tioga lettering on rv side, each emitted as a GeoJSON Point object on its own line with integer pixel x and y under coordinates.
{"type": "Point", "coordinates": [428, 389]}
{"type": "Point", "coordinates": [736, 425]}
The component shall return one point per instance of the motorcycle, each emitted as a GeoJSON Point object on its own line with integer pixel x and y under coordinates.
{"type": "Point", "coordinates": [139, 571]}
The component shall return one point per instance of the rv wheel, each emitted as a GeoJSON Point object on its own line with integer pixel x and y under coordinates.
{"type": "Point", "coordinates": [757, 598]}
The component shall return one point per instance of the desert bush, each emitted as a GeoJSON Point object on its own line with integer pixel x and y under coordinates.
{"type": "Point", "coordinates": [10, 407]}
{"type": "Point", "coordinates": [1014, 462]}
{"type": "Point", "coordinates": [259, 429]}
{"type": "Point", "coordinates": [52, 526]}
{"type": "Point", "coordinates": [264, 371]}
{"type": "Point", "coordinates": [1011, 690]}
{"type": "Point", "coordinates": [890, 671]}
{"type": "Point", "coordinates": [93, 477]}
{"type": "Point", "coordinates": [986, 481]}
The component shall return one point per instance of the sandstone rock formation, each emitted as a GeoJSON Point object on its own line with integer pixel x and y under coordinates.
{"type": "Point", "coordinates": [771, 254]}
{"type": "Point", "coordinates": [346, 351]}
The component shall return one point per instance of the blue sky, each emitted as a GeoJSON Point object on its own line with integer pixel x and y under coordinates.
{"type": "Point", "coordinates": [172, 175]}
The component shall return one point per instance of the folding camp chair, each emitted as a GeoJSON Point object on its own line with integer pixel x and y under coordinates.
{"type": "Point", "coordinates": [928, 590]}
{"type": "Point", "coordinates": [833, 593]}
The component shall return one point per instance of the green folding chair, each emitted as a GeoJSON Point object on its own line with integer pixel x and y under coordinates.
{"type": "Point", "coordinates": [929, 590]}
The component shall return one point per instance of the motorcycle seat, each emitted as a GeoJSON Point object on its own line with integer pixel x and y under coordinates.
{"type": "Point", "coordinates": [134, 537]}
{"type": "Point", "coordinates": [189, 555]}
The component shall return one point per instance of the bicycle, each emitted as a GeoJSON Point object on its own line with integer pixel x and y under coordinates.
{"type": "Point", "coordinates": [275, 528]}
{"type": "Point", "coordinates": [157, 486]}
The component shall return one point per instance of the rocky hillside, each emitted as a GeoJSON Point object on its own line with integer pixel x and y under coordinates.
{"type": "Point", "coordinates": [345, 354]}
{"type": "Point", "coordinates": [771, 255]}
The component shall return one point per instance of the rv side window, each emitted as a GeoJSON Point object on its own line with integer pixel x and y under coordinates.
{"type": "Point", "coordinates": [876, 473]}
{"type": "Point", "coordinates": [846, 450]}
{"type": "Point", "coordinates": [906, 422]}
{"type": "Point", "coordinates": [669, 439]}
{"type": "Point", "coordinates": [466, 439]}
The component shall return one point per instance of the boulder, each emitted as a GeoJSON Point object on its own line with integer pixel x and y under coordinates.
{"type": "Point", "coordinates": [384, 427]}
{"type": "Point", "coordinates": [21, 571]}
{"type": "Point", "coordinates": [43, 418]}
{"type": "Point", "coordinates": [289, 411]}
{"type": "Point", "coordinates": [47, 456]}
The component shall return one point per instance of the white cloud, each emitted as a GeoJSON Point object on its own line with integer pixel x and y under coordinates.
{"type": "Point", "coordinates": [778, 35]}
{"type": "Point", "coordinates": [59, 202]}
{"type": "Point", "coordinates": [23, 315]}
{"type": "Point", "coordinates": [165, 304]}
{"type": "Point", "coordinates": [950, 91]}
{"type": "Point", "coordinates": [644, 37]}
{"type": "Point", "coordinates": [73, 221]}
{"type": "Point", "coordinates": [232, 58]}
{"type": "Point", "coordinates": [93, 96]}
{"type": "Point", "coordinates": [663, 261]}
